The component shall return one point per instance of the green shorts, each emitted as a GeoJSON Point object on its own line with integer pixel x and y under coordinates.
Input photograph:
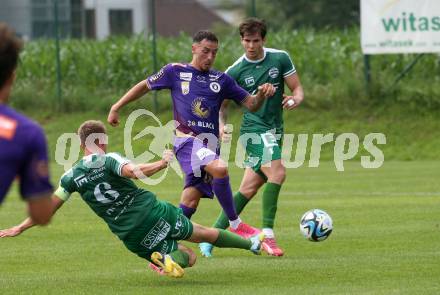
{"type": "Point", "coordinates": [160, 232]}
{"type": "Point", "coordinates": [265, 149]}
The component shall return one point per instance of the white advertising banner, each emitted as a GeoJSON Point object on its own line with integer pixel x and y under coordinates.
{"type": "Point", "coordinates": [400, 26]}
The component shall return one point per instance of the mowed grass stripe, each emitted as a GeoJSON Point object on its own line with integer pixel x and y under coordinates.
{"type": "Point", "coordinates": [385, 241]}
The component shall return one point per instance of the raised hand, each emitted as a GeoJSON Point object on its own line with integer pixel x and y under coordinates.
{"type": "Point", "coordinates": [168, 156]}
{"type": "Point", "coordinates": [113, 118]}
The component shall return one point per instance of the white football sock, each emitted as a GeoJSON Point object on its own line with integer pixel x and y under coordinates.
{"type": "Point", "coordinates": [235, 223]}
{"type": "Point", "coordinates": [268, 233]}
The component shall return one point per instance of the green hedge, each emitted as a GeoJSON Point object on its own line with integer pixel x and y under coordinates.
{"type": "Point", "coordinates": [330, 64]}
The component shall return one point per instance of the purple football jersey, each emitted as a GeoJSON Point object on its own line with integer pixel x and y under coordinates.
{"type": "Point", "coordinates": [197, 96]}
{"type": "Point", "coordinates": [23, 153]}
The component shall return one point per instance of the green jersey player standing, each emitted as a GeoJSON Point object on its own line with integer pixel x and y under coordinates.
{"type": "Point", "coordinates": [147, 226]}
{"type": "Point", "coordinates": [262, 131]}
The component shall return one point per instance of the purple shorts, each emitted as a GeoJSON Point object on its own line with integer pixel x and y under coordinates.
{"type": "Point", "coordinates": [193, 155]}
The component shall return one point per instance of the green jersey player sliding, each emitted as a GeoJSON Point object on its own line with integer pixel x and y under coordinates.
{"type": "Point", "coordinates": [147, 226]}
{"type": "Point", "coordinates": [264, 128]}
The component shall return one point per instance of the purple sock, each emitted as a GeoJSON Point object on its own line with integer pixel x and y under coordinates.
{"type": "Point", "coordinates": [187, 211]}
{"type": "Point", "coordinates": [222, 189]}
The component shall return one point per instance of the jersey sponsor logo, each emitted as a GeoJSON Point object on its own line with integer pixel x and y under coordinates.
{"type": "Point", "coordinates": [214, 77]}
{"type": "Point", "coordinates": [199, 109]}
{"type": "Point", "coordinates": [8, 127]}
{"type": "Point", "coordinates": [274, 72]}
{"type": "Point", "coordinates": [156, 76]}
{"type": "Point", "coordinates": [215, 87]}
{"type": "Point", "coordinates": [158, 233]}
{"type": "Point", "coordinates": [208, 125]}
{"type": "Point", "coordinates": [80, 180]}
{"type": "Point", "coordinates": [249, 81]}
{"type": "Point", "coordinates": [185, 87]}
{"type": "Point", "coordinates": [201, 79]}
{"type": "Point", "coordinates": [185, 76]}
{"type": "Point", "coordinates": [204, 152]}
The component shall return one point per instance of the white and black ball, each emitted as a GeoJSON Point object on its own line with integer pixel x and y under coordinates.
{"type": "Point", "coordinates": [316, 225]}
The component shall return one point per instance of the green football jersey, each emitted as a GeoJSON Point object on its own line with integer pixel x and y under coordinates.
{"type": "Point", "coordinates": [249, 74]}
{"type": "Point", "coordinates": [114, 198]}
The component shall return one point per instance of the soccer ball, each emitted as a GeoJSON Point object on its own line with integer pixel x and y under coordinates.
{"type": "Point", "coordinates": [316, 225]}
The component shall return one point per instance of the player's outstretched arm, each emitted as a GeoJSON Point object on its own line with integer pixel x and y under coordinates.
{"type": "Point", "coordinates": [254, 102]}
{"type": "Point", "coordinates": [137, 91]}
{"type": "Point", "coordinates": [28, 222]}
{"type": "Point", "coordinates": [139, 171]}
{"type": "Point", "coordinates": [292, 101]}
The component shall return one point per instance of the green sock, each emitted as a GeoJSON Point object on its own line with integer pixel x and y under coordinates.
{"type": "Point", "coordinates": [180, 257]}
{"type": "Point", "coordinates": [240, 202]}
{"type": "Point", "coordinates": [270, 201]}
{"type": "Point", "coordinates": [226, 239]}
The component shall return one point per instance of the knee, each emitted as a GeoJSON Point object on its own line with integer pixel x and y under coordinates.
{"type": "Point", "coordinates": [219, 171]}
{"type": "Point", "coordinates": [281, 175]}
{"type": "Point", "coordinates": [278, 176]}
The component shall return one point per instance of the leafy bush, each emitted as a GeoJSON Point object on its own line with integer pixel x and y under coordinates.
{"type": "Point", "coordinates": [330, 64]}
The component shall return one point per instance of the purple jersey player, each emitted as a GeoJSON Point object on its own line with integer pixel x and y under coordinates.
{"type": "Point", "coordinates": [197, 92]}
{"type": "Point", "coordinates": [23, 151]}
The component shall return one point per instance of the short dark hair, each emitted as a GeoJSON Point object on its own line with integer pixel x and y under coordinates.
{"type": "Point", "coordinates": [90, 127]}
{"type": "Point", "coordinates": [204, 34]}
{"type": "Point", "coordinates": [252, 26]}
{"type": "Point", "coordinates": [10, 47]}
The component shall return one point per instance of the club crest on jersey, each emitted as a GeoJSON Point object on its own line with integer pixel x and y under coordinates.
{"type": "Point", "coordinates": [185, 87]}
{"type": "Point", "coordinates": [198, 109]}
{"type": "Point", "coordinates": [185, 76]}
{"type": "Point", "coordinates": [273, 72]}
{"type": "Point", "coordinates": [250, 81]}
{"type": "Point", "coordinates": [215, 87]}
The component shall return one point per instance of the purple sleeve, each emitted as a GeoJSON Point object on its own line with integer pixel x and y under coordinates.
{"type": "Point", "coordinates": [232, 90]}
{"type": "Point", "coordinates": [34, 175]}
{"type": "Point", "coordinates": [162, 79]}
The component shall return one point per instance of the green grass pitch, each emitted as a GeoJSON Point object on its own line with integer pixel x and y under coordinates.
{"type": "Point", "coordinates": [385, 241]}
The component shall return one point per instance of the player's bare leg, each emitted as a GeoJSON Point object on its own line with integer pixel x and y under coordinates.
{"type": "Point", "coordinates": [250, 184]}
{"type": "Point", "coordinates": [189, 200]}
